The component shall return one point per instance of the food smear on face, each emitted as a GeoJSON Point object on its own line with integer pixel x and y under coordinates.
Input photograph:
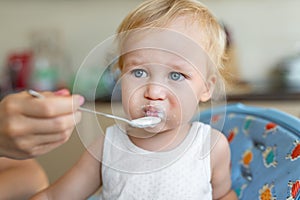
{"type": "Point", "coordinates": [152, 111]}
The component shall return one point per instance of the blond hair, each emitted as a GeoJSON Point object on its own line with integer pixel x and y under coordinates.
{"type": "Point", "coordinates": [159, 13]}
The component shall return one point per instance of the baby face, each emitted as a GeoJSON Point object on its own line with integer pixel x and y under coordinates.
{"type": "Point", "coordinates": [161, 84]}
{"type": "Point", "coordinates": [165, 72]}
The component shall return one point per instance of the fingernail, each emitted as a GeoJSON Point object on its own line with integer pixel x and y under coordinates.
{"type": "Point", "coordinates": [80, 100]}
{"type": "Point", "coordinates": [62, 92]}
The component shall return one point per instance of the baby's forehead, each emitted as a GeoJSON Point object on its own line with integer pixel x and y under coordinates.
{"type": "Point", "coordinates": [164, 41]}
{"type": "Point", "coordinates": [155, 55]}
{"type": "Point", "coordinates": [162, 38]}
{"type": "Point", "coordinates": [165, 57]}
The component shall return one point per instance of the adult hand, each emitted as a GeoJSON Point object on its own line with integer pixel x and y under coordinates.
{"type": "Point", "coordinates": [31, 126]}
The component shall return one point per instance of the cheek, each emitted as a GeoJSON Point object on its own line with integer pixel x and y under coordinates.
{"type": "Point", "coordinates": [184, 104]}
{"type": "Point", "coordinates": [131, 99]}
{"type": "Point", "coordinates": [188, 106]}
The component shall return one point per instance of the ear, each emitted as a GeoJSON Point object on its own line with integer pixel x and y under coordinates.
{"type": "Point", "coordinates": [209, 88]}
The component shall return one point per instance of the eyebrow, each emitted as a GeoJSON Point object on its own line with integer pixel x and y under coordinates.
{"type": "Point", "coordinates": [132, 61]}
{"type": "Point", "coordinates": [176, 64]}
{"type": "Point", "coordinates": [179, 65]}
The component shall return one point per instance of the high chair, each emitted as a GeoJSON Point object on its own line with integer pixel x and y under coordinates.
{"type": "Point", "coordinates": [265, 150]}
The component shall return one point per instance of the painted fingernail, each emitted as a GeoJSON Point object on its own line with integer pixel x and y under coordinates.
{"type": "Point", "coordinates": [62, 92]}
{"type": "Point", "coordinates": [81, 100]}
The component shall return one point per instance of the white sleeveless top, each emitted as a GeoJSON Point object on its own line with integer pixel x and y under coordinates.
{"type": "Point", "coordinates": [132, 173]}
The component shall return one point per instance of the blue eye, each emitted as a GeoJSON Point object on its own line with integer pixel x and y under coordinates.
{"type": "Point", "coordinates": [139, 73]}
{"type": "Point", "coordinates": [176, 76]}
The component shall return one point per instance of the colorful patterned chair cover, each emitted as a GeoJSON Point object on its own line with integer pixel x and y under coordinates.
{"type": "Point", "coordinates": [265, 150]}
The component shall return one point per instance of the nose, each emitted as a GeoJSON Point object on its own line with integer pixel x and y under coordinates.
{"type": "Point", "coordinates": [155, 92]}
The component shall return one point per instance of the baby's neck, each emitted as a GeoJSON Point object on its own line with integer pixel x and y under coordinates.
{"type": "Point", "coordinates": [164, 141]}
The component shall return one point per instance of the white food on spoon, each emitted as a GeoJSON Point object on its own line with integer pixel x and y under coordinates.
{"type": "Point", "coordinates": [145, 122]}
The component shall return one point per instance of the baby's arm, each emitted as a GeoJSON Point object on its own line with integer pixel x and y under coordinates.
{"type": "Point", "coordinates": [20, 179]}
{"type": "Point", "coordinates": [220, 163]}
{"type": "Point", "coordinates": [80, 182]}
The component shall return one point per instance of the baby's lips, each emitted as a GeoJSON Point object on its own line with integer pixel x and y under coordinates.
{"type": "Point", "coordinates": [153, 112]}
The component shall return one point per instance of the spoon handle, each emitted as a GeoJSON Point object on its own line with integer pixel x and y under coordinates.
{"type": "Point", "coordinates": [40, 96]}
{"type": "Point", "coordinates": [104, 114]}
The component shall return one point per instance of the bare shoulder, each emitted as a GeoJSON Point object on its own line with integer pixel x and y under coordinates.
{"type": "Point", "coordinates": [220, 151]}
{"type": "Point", "coordinates": [220, 166]}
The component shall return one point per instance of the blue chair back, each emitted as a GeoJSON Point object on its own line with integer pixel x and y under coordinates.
{"type": "Point", "coordinates": [265, 150]}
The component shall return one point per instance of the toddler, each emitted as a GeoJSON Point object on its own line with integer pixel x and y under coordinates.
{"type": "Point", "coordinates": [170, 54]}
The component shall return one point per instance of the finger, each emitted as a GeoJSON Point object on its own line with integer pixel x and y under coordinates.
{"type": "Point", "coordinates": [35, 145]}
{"type": "Point", "coordinates": [36, 126]}
{"type": "Point", "coordinates": [29, 142]}
{"type": "Point", "coordinates": [62, 92]}
{"type": "Point", "coordinates": [51, 105]}
{"type": "Point", "coordinates": [45, 148]}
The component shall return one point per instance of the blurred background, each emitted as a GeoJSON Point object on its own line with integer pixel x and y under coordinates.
{"type": "Point", "coordinates": [43, 42]}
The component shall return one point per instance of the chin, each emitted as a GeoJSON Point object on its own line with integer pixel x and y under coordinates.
{"type": "Point", "coordinates": [156, 130]}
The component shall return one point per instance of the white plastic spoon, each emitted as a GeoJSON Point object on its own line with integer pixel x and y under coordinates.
{"type": "Point", "coordinates": [143, 122]}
